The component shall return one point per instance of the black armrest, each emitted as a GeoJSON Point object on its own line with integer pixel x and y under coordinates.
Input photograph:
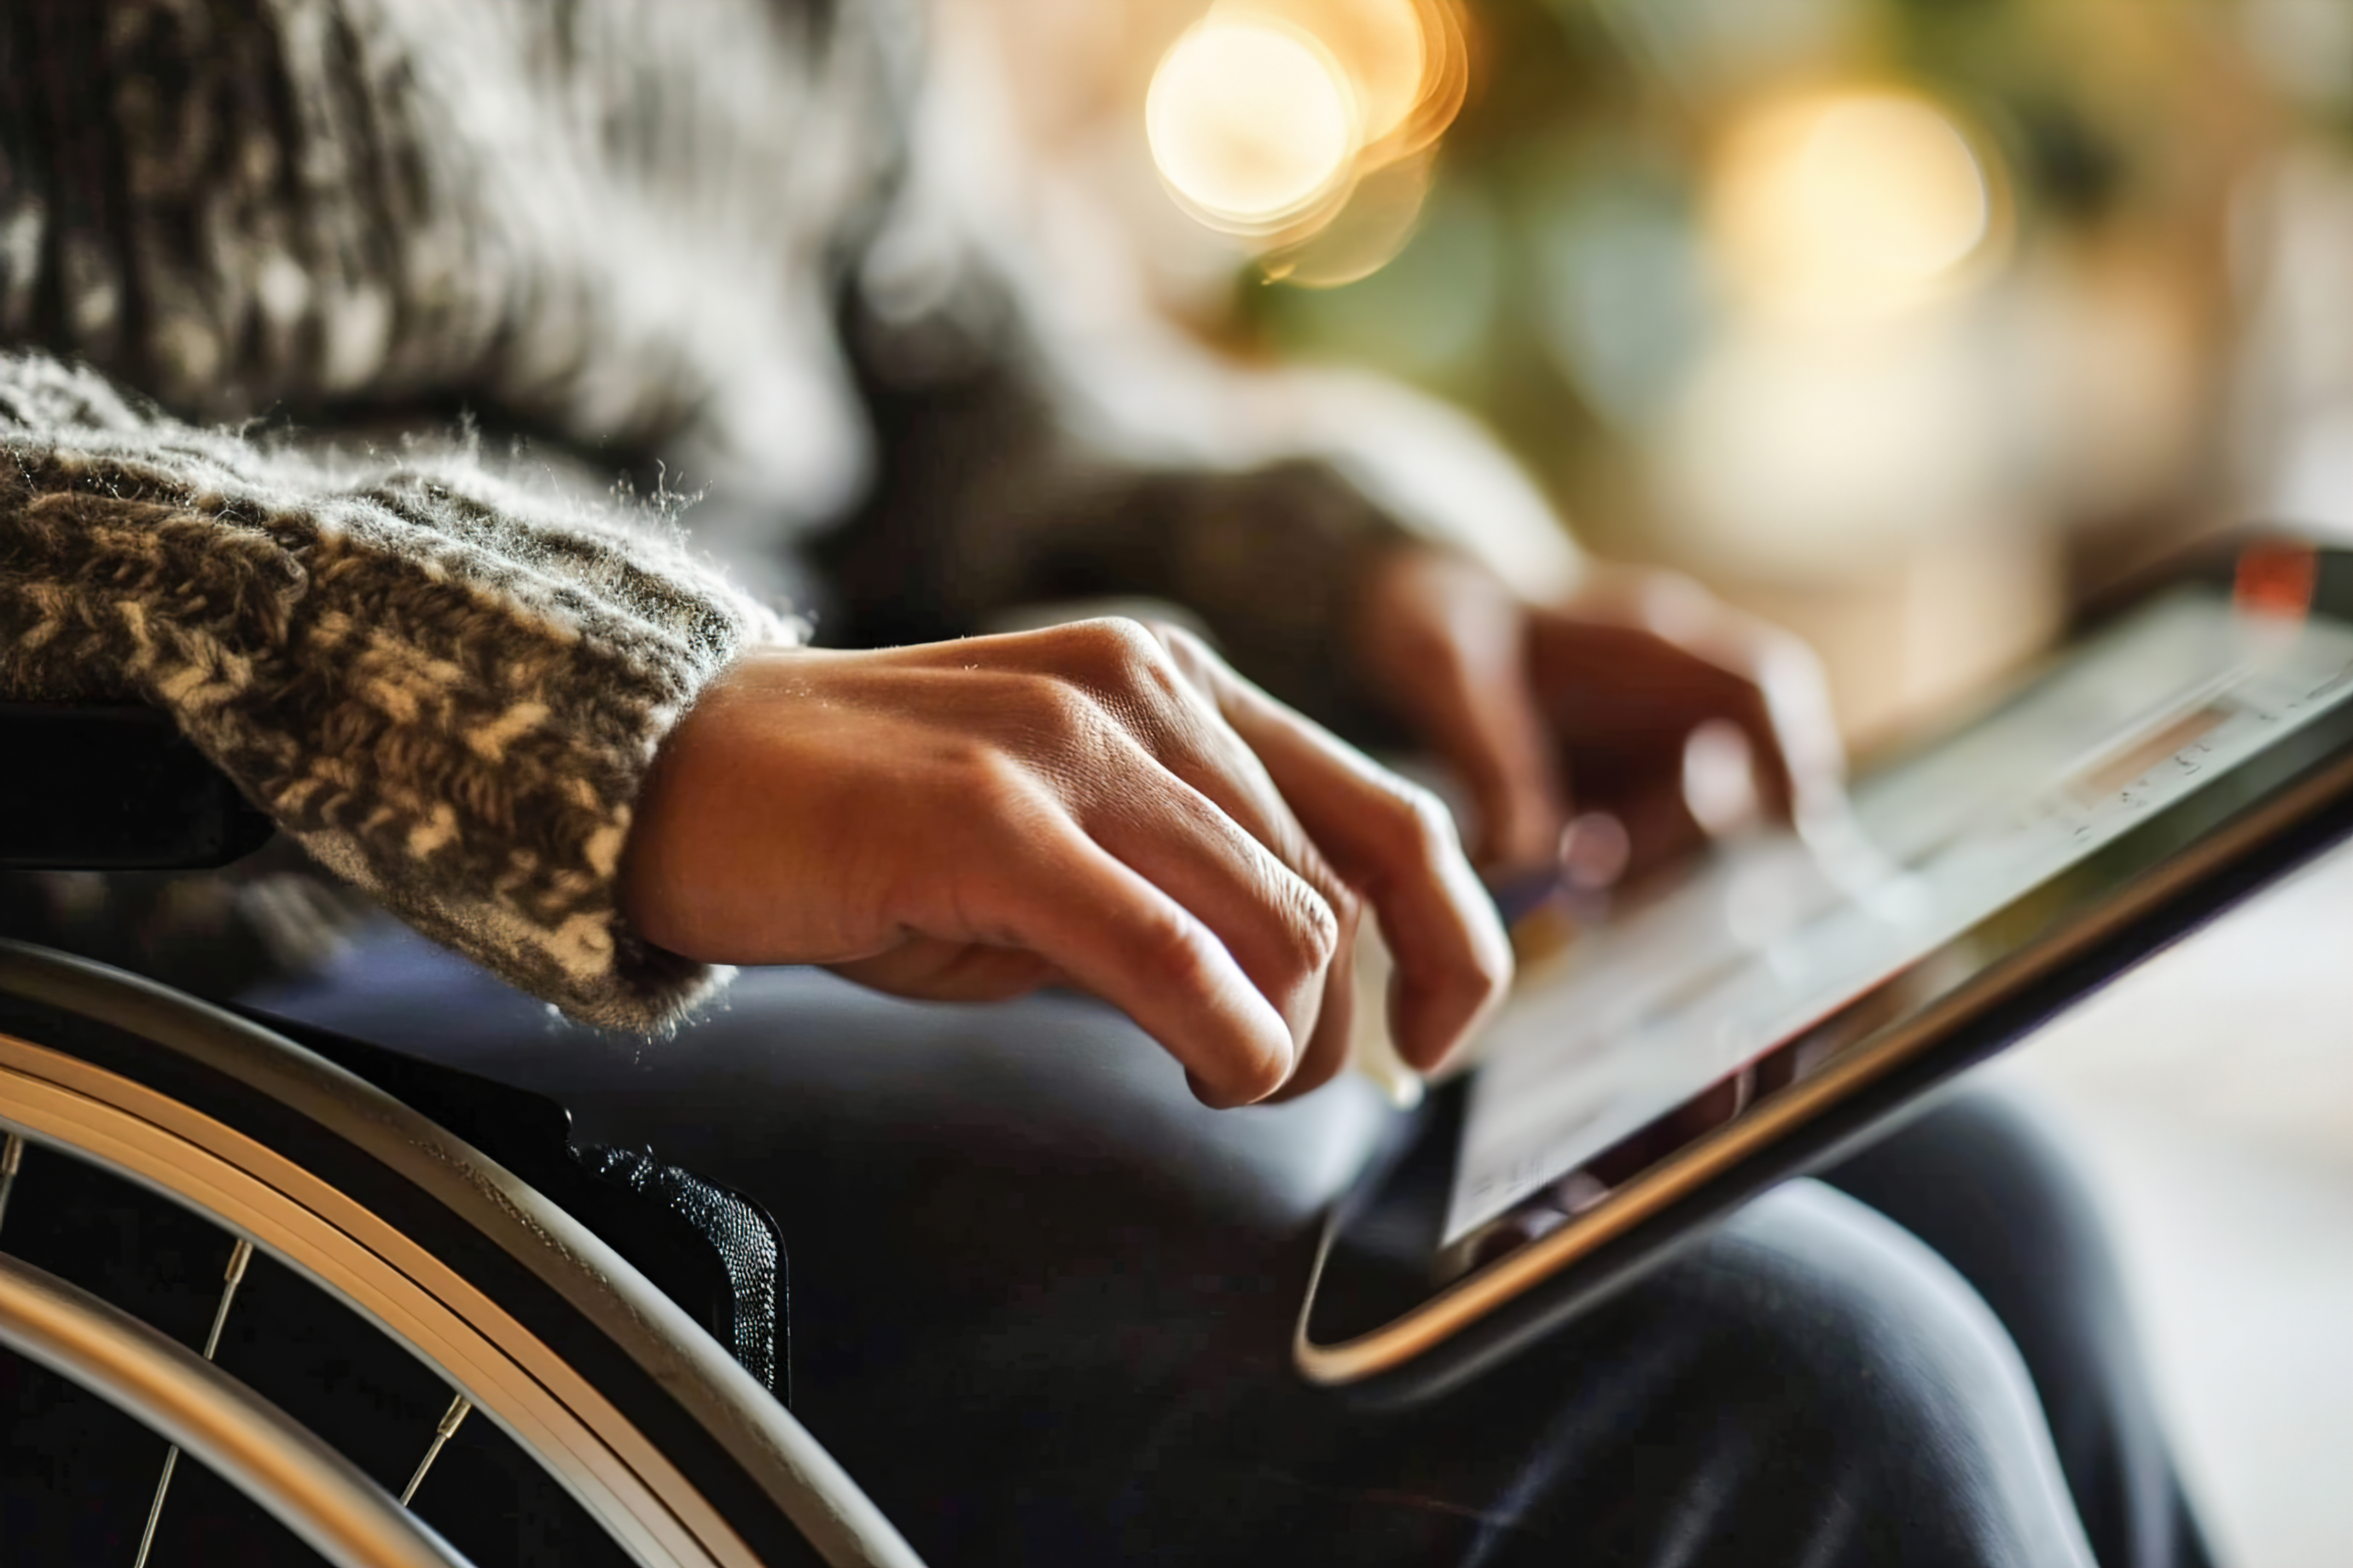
{"type": "Point", "coordinates": [114, 788]}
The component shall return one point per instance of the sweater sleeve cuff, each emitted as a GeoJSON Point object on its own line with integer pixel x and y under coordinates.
{"type": "Point", "coordinates": [491, 696]}
{"type": "Point", "coordinates": [448, 686]}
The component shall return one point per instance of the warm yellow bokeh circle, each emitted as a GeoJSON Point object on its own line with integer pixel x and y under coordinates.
{"type": "Point", "coordinates": [1848, 200]}
{"type": "Point", "coordinates": [1263, 116]}
{"type": "Point", "coordinates": [1251, 121]}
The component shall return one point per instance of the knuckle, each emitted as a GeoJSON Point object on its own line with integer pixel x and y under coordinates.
{"type": "Point", "coordinates": [1316, 926]}
{"type": "Point", "coordinates": [1347, 907]}
{"type": "Point", "coordinates": [1181, 644]}
{"type": "Point", "coordinates": [1112, 653]}
{"type": "Point", "coordinates": [1123, 668]}
{"type": "Point", "coordinates": [1172, 950]}
{"type": "Point", "coordinates": [1054, 718]}
{"type": "Point", "coordinates": [1417, 826]}
{"type": "Point", "coordinates": [1294, 942]}
{"type": "Point", "coordinates": [1062, 715]}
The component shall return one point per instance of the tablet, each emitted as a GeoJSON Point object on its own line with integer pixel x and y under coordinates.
{"type": "Point", "coordinates": [1795, 992]}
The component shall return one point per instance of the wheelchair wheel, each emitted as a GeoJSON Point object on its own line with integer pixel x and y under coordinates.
{"type": "Point", "coordinates": [173, 1176]}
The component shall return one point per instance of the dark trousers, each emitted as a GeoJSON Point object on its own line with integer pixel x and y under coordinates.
{"type": "Point", "coordinates": [1042, 1302]}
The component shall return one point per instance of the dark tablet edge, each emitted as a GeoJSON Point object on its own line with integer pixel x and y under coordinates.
{"type": "Point", "coordinates": [2308, 816]}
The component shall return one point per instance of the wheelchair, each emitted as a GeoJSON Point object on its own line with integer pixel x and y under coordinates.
{"type": "Point", "coordinates": [270, 1294]}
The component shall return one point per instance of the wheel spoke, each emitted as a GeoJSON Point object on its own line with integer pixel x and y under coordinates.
{"type": "Point", "coordinates": [450, 1420]}
{"type": "Point", "coordinates": [12, 1159]}
{"type": "Point", "coordinates": [155, 1508]}
{"type": "Point", "coordinates": [239, 1256]}
{"type": "Point", "coordinates": [231, 1277]}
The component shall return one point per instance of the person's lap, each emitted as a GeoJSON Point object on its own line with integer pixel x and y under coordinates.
{"type": "Point", "coordinates": [1986, 1183]}
{"type": "Point", "coordinates": [1042, 1301]}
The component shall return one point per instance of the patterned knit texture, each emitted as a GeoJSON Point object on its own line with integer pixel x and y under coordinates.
{"type": "Point", "coordinates": [627, 227]}
{"type": "Point", "coordinates": [447, 686]}
{"type": "Point", "coordinates": [611, 218]}
{"type": "Point", "coordinates": [607, 220]}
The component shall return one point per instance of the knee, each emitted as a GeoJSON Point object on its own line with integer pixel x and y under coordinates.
{"type": "Point", "coordinates": [1849, 1383]}
{"type": "Point", "coordinates": [1986, 1183]}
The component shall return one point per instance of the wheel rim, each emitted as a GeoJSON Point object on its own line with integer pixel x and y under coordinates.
{"type": "Point", "coordinates": [335, 1508]}
{"type": "Point", "coordinates": [624, 1480]}
{"type": "Point", "coordinates": [130, 1132]}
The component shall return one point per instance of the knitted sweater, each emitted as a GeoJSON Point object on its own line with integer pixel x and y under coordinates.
{"type": "Point", "coordinates": [631, 229]}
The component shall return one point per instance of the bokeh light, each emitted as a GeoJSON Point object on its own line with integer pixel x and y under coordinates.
{"type": "Point", "coordinates": [1268, 117]}
{"type": "Point", "coordinates": [1378, 44]}
{"type": "Point", "coordinates": [1251, 121]}
{"type": "Point", "coordinates": [1847, 203]}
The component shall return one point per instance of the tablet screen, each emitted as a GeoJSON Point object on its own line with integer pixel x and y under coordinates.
{"type": "Point", "coordinates": [1778, 932]}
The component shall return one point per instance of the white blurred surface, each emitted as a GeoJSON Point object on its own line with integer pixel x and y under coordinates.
{"type": "Point", "coordinates": [2210, 1094]}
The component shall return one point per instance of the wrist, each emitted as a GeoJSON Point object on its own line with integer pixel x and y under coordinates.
{"type": "Point", "coordinates": [691, 800]}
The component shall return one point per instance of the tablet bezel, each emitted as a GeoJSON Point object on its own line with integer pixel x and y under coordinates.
{"type": "Point", "coordinates": [2188, 862]}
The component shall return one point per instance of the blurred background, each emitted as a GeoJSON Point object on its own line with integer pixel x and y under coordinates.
{"type": "Point", "coordinates": [1908, 323]}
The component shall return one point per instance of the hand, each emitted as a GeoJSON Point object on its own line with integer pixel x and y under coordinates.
{"type": "Point", "coordinates": [1554, 717]}
{"type": "Point", "coordinates": [1101, 804]}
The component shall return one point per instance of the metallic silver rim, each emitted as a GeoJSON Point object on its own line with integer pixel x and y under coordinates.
{"type": "Point", "coordinates": [488, 1357]}
{"type": "Point", "coordinates": [133, 1132]}
{"type": "Point", "coordinates": [343, 1516]}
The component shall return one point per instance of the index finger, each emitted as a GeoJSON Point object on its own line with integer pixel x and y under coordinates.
{"type": "Point", "coordinates": [1394, 843]}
